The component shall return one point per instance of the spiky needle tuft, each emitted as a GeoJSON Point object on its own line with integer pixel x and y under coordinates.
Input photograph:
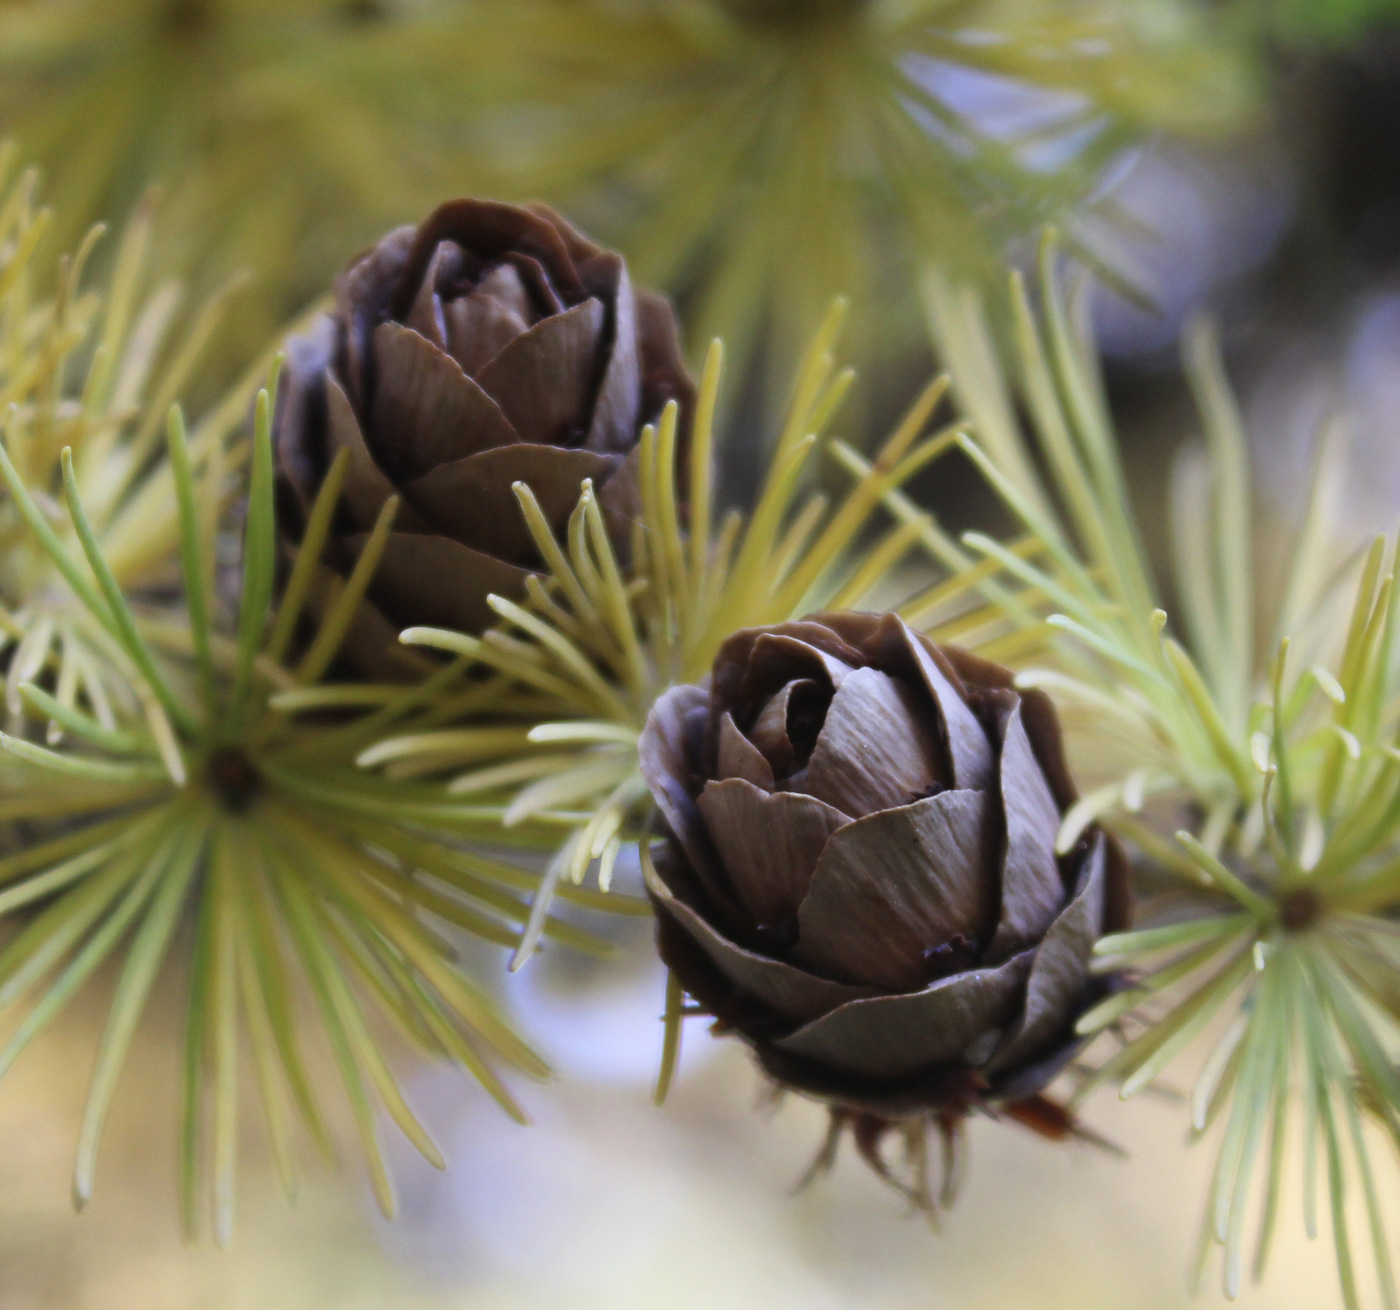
{"type": "Point", "coordinates": [235, 800]}
{"type": "Point", "coordinates": [1249, 750]}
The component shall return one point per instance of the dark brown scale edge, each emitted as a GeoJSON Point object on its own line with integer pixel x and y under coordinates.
{"type": "Point", "coordinates": [940, 1099]}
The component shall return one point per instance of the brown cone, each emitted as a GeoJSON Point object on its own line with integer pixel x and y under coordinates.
{"type": "Point", "coordinates": [492, 344]}
{"type": "Point", "coordinates": [860, 877]}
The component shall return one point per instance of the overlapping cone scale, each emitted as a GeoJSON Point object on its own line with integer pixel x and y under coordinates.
{"type": "Point", "coordinates": [489, 345]}
{"type": "Point", "coordinates": [859, 874]}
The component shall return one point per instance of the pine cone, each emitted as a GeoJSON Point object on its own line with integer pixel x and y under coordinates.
{"type": "Point", "coordinates": [860, 876]}
{"type": "Point", "coordinates": [490, 345]}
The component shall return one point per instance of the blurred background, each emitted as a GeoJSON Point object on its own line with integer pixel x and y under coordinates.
{"type": "Point", "coordinates": [1240, 158]}
{"type": "Point", "coordinates": [606, 1201]}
